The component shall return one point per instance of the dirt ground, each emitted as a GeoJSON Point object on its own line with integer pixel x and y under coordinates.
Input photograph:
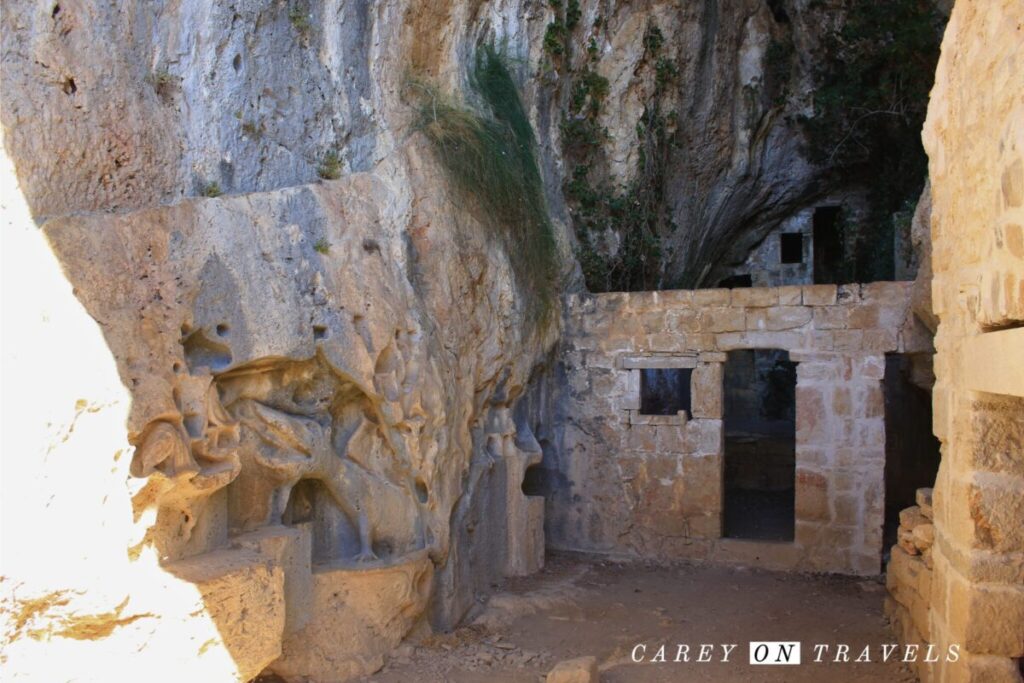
{"type": "Point", "coordinates": [585, 606]}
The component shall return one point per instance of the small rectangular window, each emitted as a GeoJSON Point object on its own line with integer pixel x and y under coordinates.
{"type": "Point", "coordinates": [664, 391]}
{"type": "Point", "coordinates": [792, 244]}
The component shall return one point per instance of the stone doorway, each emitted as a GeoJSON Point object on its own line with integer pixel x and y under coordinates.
{"type": "Point", "coordinates": [828, 244]}
{"type": "Point", "coordinates": [760, 445]}
{"type": "Point", "coordinates": [911, 449]}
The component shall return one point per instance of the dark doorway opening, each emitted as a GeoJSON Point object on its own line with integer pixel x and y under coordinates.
{"type": "Point", "coordinates": [911, 449]}
{"type": "Point", "coordinates": [664, 391]}
{"type": "Point", "coordinates": [737, 281]}
{"type": "Point", "coordinates": [829, 254]}
{"type": "Point", "coordinates": [760, 445]}
{"type": "Point", "coordinates": [791, 247]}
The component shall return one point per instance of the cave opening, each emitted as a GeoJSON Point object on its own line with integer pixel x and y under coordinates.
{"type": "Point", "coordinates": [760, 445]}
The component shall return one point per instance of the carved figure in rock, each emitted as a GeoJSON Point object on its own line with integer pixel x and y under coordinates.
{"type": "Point", "coordinates": [300, 422]}
{"type": "Point", "coordinates": [186, 456]}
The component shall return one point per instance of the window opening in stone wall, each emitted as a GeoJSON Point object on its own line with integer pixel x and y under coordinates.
{"type": "Point", "coordinates": [760, 445]}
{"type": "Point", "coordinates": [911, 449]}
{"type": "Point", "coordinates": [829, 256]}
{"type": "Point", "coordinates": [664, 391]}
{"type": "Point", "coordinates": [791, 247]}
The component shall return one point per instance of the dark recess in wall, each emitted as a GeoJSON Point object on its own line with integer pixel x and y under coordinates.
{"type": "Point", "coordinates": [829, 261]}
{"type": "Point", "coordinates": [664, 391]}
{"type": "Point", "coordinates": [911, 450]}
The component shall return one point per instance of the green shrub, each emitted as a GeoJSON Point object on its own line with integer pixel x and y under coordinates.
{"type": "Point", "coordinates": [298, 15]}
{"type": "Point", "coordinates": [653, 39]}
{"type": "Point", "coordinates": [870, 102]}
{"type": "Point", "coordinates": [572, 14]}
{"type": "Point", "coordinates": [665, 71]}
{"type": "Point", "coordinates": [330, 166]}
{"type": "Point", "coordinates": [554, 38]}
{"type": "Point", "coordinates": [636, 214]}
{"type": "Point", "coordinates": [322, 246]}
{"type": "Point", "coordinates": [490, 157]}
{"type": "Point", "coordinates": [212, 190]}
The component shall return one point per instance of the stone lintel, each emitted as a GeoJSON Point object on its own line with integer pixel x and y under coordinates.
{"type": "Point", "coordinates": [657, 362]}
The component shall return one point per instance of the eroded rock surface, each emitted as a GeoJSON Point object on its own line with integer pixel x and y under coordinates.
{"type": "Point", "coordinates": [325, 388]}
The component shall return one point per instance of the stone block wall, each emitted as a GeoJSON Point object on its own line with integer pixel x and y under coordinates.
{"type": "Point", "coordinates": [652, 486]}
{"type": "Point", "coordinates": [974, 597]}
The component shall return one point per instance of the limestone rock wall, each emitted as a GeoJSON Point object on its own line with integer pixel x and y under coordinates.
{"type": "Point", "coordinates": [974, 136]}
{"type": "Point", "coordinates": [319, 405]}
{"type": "Point", "coordinates": [307, 414]}
{"type": "Point", "coordinates": [256, 96]}
{"type": "Point", "coordinates": [622, 482]}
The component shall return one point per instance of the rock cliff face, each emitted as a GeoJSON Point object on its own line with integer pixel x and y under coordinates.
{"type": "Point", "coordinates": [323, 378]}
{"type": "Point", "coordinates": [702, 100]}
{"type": "Point", "coordinates": [331, 379]}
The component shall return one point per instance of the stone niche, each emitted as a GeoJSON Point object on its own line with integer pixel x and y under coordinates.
{"type": "Point", "coordinates": [652, 485]}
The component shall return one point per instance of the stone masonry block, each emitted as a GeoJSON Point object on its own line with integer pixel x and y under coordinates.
{"type": "Point", "coordinates": [711, 297]}
{"type": "Point", "coordinates": [812, 496]}
{"type": "Point", "coordinates": [705, 437]}
{"type": "Point", "coordinates": [706, 391]}
{"type": "Point", "coordinates": [989, 618]}
{"type": "Point", "coordinates": [790, 295]}
{"type": "Point", "coordinates": [661, 342]}
{"type": "Point", "coordinates": [813, 425]}
{"type": "Point", "coordinates": [819, 295]}
{"type": "Point", "coordinates": [923, 498]}
{"type": "Point", "coordinates": [787, 317]}
{"type": "Point", "coordinates": [755, 296]}
{"type": "Point", "coordinates": [671, 439]}
{"type": "Point", "coordinates": [849, 294]}
{"type": "Point", "coordinates": [885, 292]}
{"type": "Point", "coordinates": [880, 341]}
{"type": "Point", "coordinates": [831, 317]}
{"type": "Point", "coordinates": [870, 367]}
{"type": "Point", "coordinates": [642, 438]}
{"type": "Point", "coordinates": [728, 341]}
{"type": "Point", "coordinates": [683, 320]}
{"type": "Point", "coordinates": [723, 319]}
{"type": "Point", "coordinates": [847, 340]}
{"type": "Point", "coordinates": [864, 317]}
{"type": "Point", "coordinates": [675, 298]}
{"type": "Point", "coordinates": [991, 669]}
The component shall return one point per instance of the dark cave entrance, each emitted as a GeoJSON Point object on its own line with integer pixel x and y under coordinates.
{"type": "Point", "coordinates": [760, 445]}
{"type": "Point", "coordinates": [911, 449]}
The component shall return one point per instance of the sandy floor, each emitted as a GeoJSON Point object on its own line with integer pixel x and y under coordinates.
{"type": "Point", "coordinates": [581, 606]}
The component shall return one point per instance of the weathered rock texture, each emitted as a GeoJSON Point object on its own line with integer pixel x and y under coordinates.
{"type": "Point", "coordinates": [294, 376]}
{"type": "Point", "coordinates": [974, 596]}
{"type": "Point", "coordinates": [321, 424]}
{"type": "Point", "coordinates": [623, 482]}
{"type": "Point", "coordinates": [256, 96]}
